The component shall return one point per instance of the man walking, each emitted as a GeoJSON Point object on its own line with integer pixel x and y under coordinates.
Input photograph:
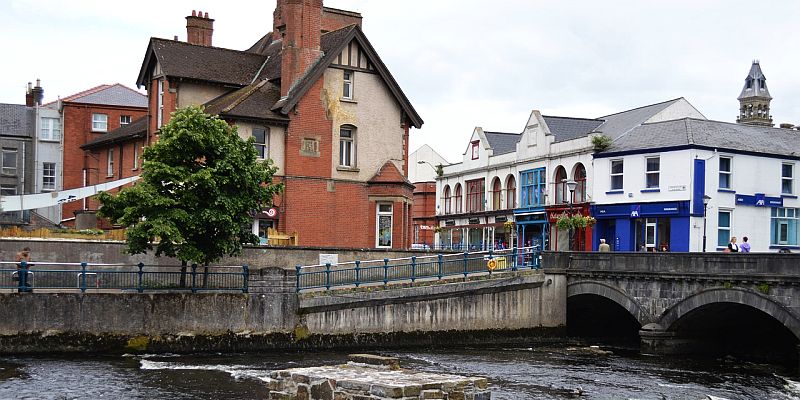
{"type": "Point", "coordinates": [603, 247]}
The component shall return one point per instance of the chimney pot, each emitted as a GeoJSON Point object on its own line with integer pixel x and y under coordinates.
{"type": "Point", "coordinates": [206, 15]}
{"type": "Point", "coordinates": [194, 13]}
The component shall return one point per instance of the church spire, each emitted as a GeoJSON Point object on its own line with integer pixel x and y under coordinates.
{"type": "Point", "coordinates": [754, 99]}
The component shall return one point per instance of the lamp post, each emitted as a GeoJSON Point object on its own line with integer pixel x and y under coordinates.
{"type": "Point", "coordinates": [436, 168]}
{"type": "Point", "coordinates": [706, 199]}
{"type": "Point", "coordinates": [571, 186]}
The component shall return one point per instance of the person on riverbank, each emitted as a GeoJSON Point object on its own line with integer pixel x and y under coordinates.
{"type": "Point", "coordinates": [745, 247]}
{"type": "Point", "coordinates": [732, 246]}
{"type": "Point", "coordinates": [603, 247]}
{"type": "Point", "coordinates": [23, 259]}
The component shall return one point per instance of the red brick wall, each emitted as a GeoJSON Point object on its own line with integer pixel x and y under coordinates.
{"type": "Point", "coordinates": [424, 210]}
{"type": "Point", "coordinates": [170, 104]}
{"type": "Point", "coordinates": [333, 20]}
{"type": "Point", "coordinates": [77, 131]}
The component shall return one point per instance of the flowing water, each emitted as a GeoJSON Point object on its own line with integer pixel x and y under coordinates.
{"type": "Point", "coordinates": [553, 372]}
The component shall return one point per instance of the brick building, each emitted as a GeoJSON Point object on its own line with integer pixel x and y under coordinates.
{"type": "Point", "coordinates": [88, 117]}
{"type": "Point", "coordinates": [319, 102]}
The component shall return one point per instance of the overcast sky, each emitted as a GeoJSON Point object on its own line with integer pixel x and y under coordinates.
{"type": "Point", "coordinates": [461, 63]}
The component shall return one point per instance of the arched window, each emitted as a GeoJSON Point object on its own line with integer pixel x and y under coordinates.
{"type": "Point", "coordinates": [579, 175]}
{"type": "Point", "coordinates": [561, 191]}
{"type": "Point", "coordinates": [446, 200]}
{"type": "Point", "coordinates": [457, 199]}
{"type": "Point", "coordinates": [347, 146]}
{"type": "Point", "coordinates": [511, 192]}
{"type": "Point", "coordinates": [497, 190]}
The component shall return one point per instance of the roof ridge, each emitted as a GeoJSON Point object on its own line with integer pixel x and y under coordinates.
{"type": "Point", "coordinates": [244, 96]}
{"type": "Point", "coordinates": [502, 133]}
{"type": "Point", "coordinates": [640, 107]}
{"type": "Point", "coordinates": [337, 30]}
{"type": "Point", "coordinates": [206, 47]}
{"type": "Point", "coordinates": [86, 92]}
{"type": "Point", "coordinates": [577, 118]}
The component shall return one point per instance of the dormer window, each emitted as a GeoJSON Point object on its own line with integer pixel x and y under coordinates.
{"type": "Point", "coordinates": [475, 150]}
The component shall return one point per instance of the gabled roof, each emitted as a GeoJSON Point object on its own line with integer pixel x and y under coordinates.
{"type": "Point", "coordinates": [619, 123]}
{"type": "Point", "coordinates": [135, 130]}
{"type": "Point", "coordinates": [17, 120]}
{"type": "Point", "coordinates": [111, 95]}
{"type": "Point", "coordinates": [204, 63]}
{"type": "Point", "coordinates": [250, 102]}
{"type": "Point", "coordinates": [502, 143]}
{"type": "Point", "coordinates": [755, 84]}
{"type": "Point", "coordinates": [709, 134]}
{"type": "Point", "coordinates": [566, 128]}
{"type": "Point", "coordinates": [332, 43]}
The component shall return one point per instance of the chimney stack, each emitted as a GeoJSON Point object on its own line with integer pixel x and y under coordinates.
{"type": "Point", "coordinates": [199, 28]}
{"type": "Point", "coordinates": [299, 23]}
{"type": "Point", "coordinates": [29, 95]}
{"type": "Point", "coordinates": [38, 93]}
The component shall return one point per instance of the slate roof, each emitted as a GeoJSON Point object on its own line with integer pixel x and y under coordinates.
{"type": "Point", "coordinates": [135, 130]}
{"type": "Point", "coordinates": [502, 143]}
{"type": "Point", "coordinates": [566, 128]}
{"type": "Point", "coordinates": [250, 102]}
{"type": "Point", "coordinates": [112, 95]}
{"type": "Point", "coordinates": [757, 82]}
{"type": "Point", "coordinates": [17, 120]}
{"type": "Point", "coordinates": [712, 134]}
{"type": "Point", "coordinates": [619, 123]}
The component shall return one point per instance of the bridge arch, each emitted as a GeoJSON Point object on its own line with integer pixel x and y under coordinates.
{"type": "Point", "coordinates": [745, 297]}
{"type": "Point", "coordinates": [612, 293]}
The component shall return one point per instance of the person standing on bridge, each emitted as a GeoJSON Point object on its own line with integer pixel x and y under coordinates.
{"type": "Point", "coordinates": [603, 247]}
{"type": "Point", "coordinates": [732, 246]}
{"type": "Point", "coordinates": [745, 247]}
{"type": "Point", "coordinates": [23, 259]}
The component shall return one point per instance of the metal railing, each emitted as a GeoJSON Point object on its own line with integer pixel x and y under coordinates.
{"type": "Point", "coordinates": [433, 267]}
{"type": "Point", "coordinates": [25, 277]}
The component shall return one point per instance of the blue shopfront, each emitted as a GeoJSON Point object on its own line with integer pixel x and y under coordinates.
{"type": "Point", "coordinates": [662, 226]}
{"type": "Point", "coordinates": [530, 217]}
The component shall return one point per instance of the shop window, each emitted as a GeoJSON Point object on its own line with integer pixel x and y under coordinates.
{"type": "Point", "coordinates": [511, 192]}
{"type": "Point", "coordinates": [787, 178]}
{"type": "Point", "coordinates": [723, 228]}
{"type": "Point", "coordinates": [725, 173]}
{"type": "Point", "coordinates": [784, 227]}
{"type": "Point", "coordinates": [653, 172]}
{"type": "Point", "coordinates": [384, 225]}
{"type": "Point", "coordinates": [475, 195]}
{"type": "Point", "coordinates": [653, 234]}
{"type": "Point", "coordinates": [533, 187]}
{"type": "Point", "coordinates": [616, 174]}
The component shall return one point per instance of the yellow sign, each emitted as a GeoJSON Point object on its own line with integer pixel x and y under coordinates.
{"type": "Point", "coordinates": [491, 264]}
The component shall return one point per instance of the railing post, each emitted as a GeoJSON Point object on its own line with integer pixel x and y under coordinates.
{"type": "Point", "coordinates": [514, 259]}
{"type": "Point", "coordinates": [490, 259]}
{"type": "Point", "coordinates": [83, 277]}
{"type": "Point", "coordinates": [194, 278]}
{"type": "Point", "coordinates": [246, 277]}
{"type": "Point", "coordinates": [22, 277]}
{"type": "Point", "coordinates": [466, 256]}
{"type": "Point", "coordinates": [327, 276]}
{"type": "Point", "coordinates": [139, 285]}
{"type": "Point", "coordinates": [413, 268]}
{"type": "Point", "coordinates": [385, 271]}
{"type": "Point", "coordinates": [358, 273]}
{"type": "Point", "coordinates": [298, 269]}
{"type": "Point", "coordinates": [441, 265]}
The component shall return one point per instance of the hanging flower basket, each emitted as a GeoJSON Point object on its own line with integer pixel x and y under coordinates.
{"type": "Point", "coordinates": [575, 221]}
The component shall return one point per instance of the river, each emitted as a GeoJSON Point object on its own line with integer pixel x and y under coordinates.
{"type": "Point", "coordinates": [550, 372]}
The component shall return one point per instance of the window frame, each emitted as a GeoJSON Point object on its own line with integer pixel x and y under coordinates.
{"type": "Point", "coordinates": [135, 156]}
{"type": "Point", "coordinates": [347, 144]}
{"type": "Point", "coordinates": [9, 153]}
{"type": "Point", "coordinates": [48, 167]}
{"type": "Point", "coordinates": [621, 174]}
{"type": "Point", "coordinates": [721, 228]}
{"type": "Point", "coordinates": [99, 124]}
{"type": "Point", "coordinates": [476, 151]}
{"type": "Point", "coordinates": [532, 187]}
{"type": "Point", "coordinates": [788, 217]}
{"type": "Point", "coordinates": [160, 104]}
{"type": "Point", "coordinates": [787, 179]}
{"type": "Point", "coordinates": [110, 162]}
{"type": "Point", "coordinates": [124, 120]}
{"type": "Point", "coordinates": [497, 194]}
{"type": "Point", "coordinates": [47, 131]}
{"type": "Point", "coordinates": [656, 173]}
{"type": "Point", "coordinates": [511, 192]}
{"type": "Point", "coordinates": [446, 198]}
{"type": "Point", "coordinates": [347, 84]}
{"type": "Point", "coordinates": [378, 217]}
{"type": "Point", "coordinates": [458, 194]}
{"type": "Point", "coordinates": [262, 148]}
{"type": "Point", "coordinates": [728, 174]}
{"type": "Point", "coordinates": [476, 195]}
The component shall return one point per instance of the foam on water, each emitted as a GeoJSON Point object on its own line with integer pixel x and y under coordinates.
{"type": "Point", "coordinates": [235, 371]}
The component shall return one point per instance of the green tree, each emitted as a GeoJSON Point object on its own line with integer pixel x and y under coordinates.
{"type": "Point", "coordinates": [199, 185]}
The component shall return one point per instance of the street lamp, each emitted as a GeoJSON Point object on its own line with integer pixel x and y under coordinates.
{"type": "Point", "coordinates": [706, 199]}
{"type": "Point", "coordinates": [571, 186]}
{"type": "Point", "coordinates": [436, 168]}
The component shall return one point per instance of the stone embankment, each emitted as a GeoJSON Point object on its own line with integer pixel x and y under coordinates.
{"type": "Point", "coordinates": [368, 377]}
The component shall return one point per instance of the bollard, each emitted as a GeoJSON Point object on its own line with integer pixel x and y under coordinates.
{"type": "Point", "coordinates": [140, 286]}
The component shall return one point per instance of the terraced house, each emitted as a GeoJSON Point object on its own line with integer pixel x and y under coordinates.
{"type": "Point", "coordinates": [319, 102]}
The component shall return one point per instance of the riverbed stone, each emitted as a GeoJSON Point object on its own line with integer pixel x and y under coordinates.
{"type": "Point", "coordinates": [432, 394]}
{"type": "Point", "coordinates": [372, 359]}
{"type": "Point", "coordinates": [322, 389]}
{"type": "Point", "coordinates": [392, 392]}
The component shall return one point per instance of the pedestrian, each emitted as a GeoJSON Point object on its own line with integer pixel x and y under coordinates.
{"type": "Point", "coordinates": [23, 258]}
{"type": "Point", "coordinates": [745, 247]}
{"type": "Point", "coordinates": [603, 247]}
{"type": "Point", "coordinates": [732, 246]}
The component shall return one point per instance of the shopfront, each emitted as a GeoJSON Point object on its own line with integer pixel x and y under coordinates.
{"type": "Point", "coordinates": [475, 234]}
{"type": "Point", "coordinates": [532, 229]}
{"type": "Point", "coordinates": [263, 222]}
{"type": "Point", "coordinates": [560, 238]}
{"type": "Point", "coordinates": [662, 226]}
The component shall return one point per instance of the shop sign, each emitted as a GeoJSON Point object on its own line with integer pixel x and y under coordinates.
{"type": "Point", "coordinates": [635, 211]}
{"type": "Point", "coordinates": [269, 213]}
{"type": "Point", "coordinates": [474, 221]}
{"type": "Point", "coordinates": [450, 223]}
{"type": "Point", "coordinates": [426, 227]}
{"type": "Point", "coordinates": [331, 259]}
{"type": "Point", "coordinates": [758, 200]}
{"type": "Point", "coordinates": [677, 188]}
{"type": "Point", "coordinates": [501, 218]}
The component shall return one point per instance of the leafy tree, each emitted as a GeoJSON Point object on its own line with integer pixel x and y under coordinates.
{"type": "Point", "coordinates": [199, 185]}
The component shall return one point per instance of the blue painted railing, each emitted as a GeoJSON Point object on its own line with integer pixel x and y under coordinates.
{"type": "Point", "coordinates": [411, 269]}
{"type": "Point", "coordinates": [93, 277]}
